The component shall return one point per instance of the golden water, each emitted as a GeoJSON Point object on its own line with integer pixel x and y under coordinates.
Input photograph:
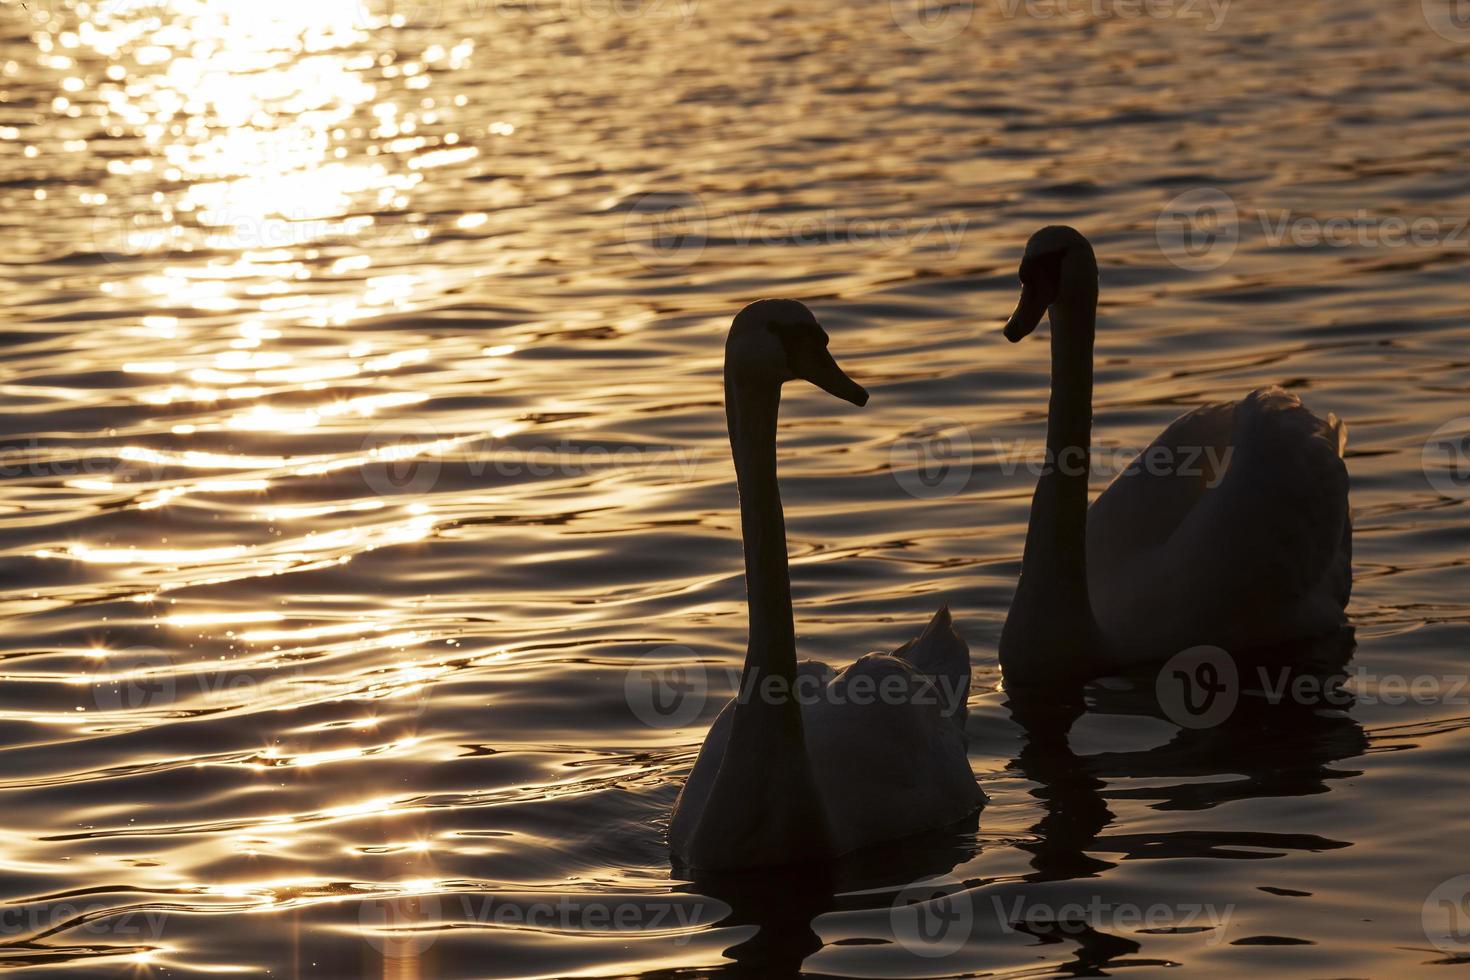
{"type": "Point", "coordinates": [364, 464]}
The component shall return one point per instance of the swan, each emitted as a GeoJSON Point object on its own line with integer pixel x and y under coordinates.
{"type": "Point", "coordinates": [870, 753]}
{"type": "Point", "coordinates": [1232, 529]}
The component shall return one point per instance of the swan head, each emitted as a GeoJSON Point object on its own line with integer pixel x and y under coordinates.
{"type": "Point", "coordinates": [1058, 261]}
{"type": "Point", "coordinates": [773, 341]}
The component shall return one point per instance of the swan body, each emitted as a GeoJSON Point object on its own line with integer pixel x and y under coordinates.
{"type": "Point", "coordinates": [1232, 529]}
{"type": "Point", "coordinates": [1256, 552]}
{"type": "Point", "coordinates": [808, 763]}
{"type": "Point", "coordinates": [885, 768]}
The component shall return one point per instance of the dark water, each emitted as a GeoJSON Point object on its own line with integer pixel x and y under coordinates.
{"type": "Point", "coordinates": [365, 471]}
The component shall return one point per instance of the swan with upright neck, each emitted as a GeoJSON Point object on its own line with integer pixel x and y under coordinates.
{"type": "Point", "coordinates": [808, 763]}
{"type": "Point", "coordinates": [1232, 529]}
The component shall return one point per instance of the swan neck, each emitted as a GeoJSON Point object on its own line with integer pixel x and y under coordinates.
{"type": "Point", "coordinates": [1069, 414]}
{"type": "Point", "coordinates": [751, 411]}
{"type": "Point", "coordinates": [1050, 632]}
{"type": "Point", "coordinates": [1061, 492]}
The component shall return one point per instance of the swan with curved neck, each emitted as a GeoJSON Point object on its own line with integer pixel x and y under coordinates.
{"type": "Point", "coordinates": [1232, 529]}
{"type": "Point", "coordinates": [799, 767]}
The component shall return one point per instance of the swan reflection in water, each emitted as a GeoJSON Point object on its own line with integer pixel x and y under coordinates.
{"type": "Point", "coordinates": [1263, 749]}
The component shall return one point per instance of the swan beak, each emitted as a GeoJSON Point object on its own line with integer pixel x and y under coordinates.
{"type": "Point", "coordinates": [821, 370]}
{"type": "Point", "coordinates": [1029, 312]}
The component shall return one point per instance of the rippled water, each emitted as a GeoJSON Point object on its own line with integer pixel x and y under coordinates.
{"type": "Point", "coordinates": [364, 469]}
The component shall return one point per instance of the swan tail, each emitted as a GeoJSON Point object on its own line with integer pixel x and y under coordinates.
{"type": "Point", "coordinates": [942, 654]}
{"type": "Point", "coordinates": [1292, 480]}
{"type": "Point", "coordinates": [1339, 431]}
{"type": "Point", "coordinates": [1341, 582]}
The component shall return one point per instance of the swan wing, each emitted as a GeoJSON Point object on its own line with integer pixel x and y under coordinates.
{"type": "Point", "coordinates": [940, 653]}
{"type": "Point", "coordinates": [1231, 529]}
{"type": "Point", "coordinates": [890, 757]}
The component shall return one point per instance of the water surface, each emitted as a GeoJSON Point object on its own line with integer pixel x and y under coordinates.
{"type": "Point", "coordinates": [365, 465]}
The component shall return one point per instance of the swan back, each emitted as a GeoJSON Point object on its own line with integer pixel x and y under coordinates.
{"type": "Point", "coordinates": [1231, 529]}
